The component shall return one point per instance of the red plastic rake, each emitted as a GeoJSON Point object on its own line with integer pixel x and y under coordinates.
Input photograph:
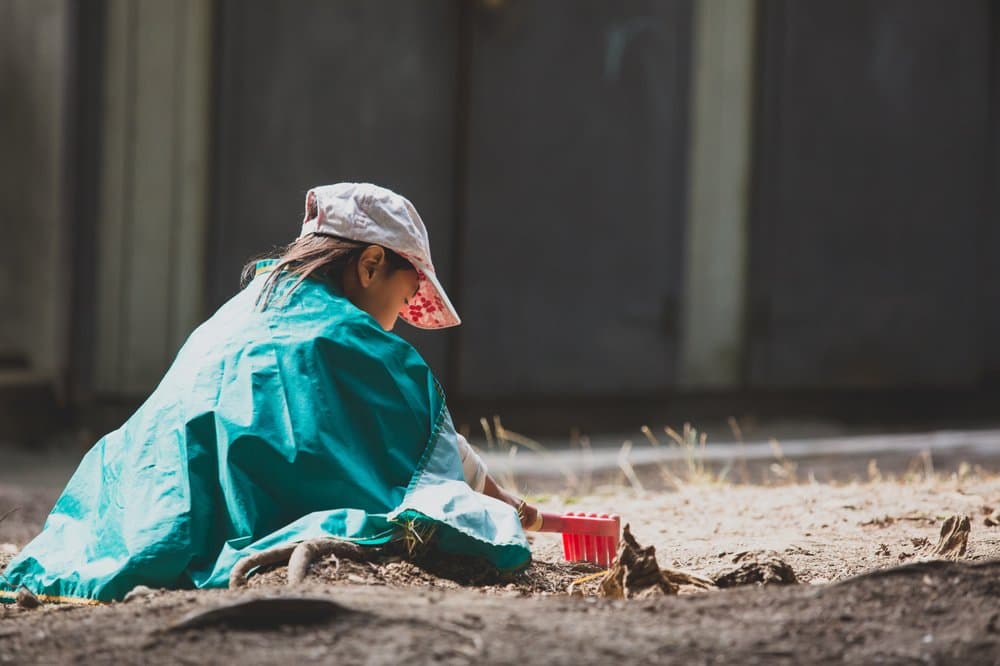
{"type": "Point", "coordinates": [586, 536]}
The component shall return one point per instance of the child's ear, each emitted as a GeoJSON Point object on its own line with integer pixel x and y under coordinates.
{"type": "Point", "coordinates": [369, 263]}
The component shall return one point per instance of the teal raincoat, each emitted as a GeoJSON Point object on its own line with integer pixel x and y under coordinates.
{"type": "Point", "coordinates": [305, 419]}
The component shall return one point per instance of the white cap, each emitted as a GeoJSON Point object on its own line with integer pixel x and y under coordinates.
{"type": "Point", "coordinates": [372, 214]}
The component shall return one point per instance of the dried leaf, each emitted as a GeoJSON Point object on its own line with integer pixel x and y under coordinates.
{"type": "Point", "coordinates": [757, 568]}
{"type": "Point", "coordinates": [954, 538]}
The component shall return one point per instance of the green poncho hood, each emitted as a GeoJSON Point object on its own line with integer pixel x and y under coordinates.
{"type": "Point", "coordinates": [301, 420]}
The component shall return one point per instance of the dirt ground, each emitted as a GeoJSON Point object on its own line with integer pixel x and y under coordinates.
{"type": "Point", "coordinates": [834, 536]}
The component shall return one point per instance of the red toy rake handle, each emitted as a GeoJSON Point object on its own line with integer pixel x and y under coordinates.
{"type": "Point", "coordinates": [583, 525]}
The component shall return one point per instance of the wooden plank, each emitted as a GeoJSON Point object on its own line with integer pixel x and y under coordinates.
{"type": "Point", "coordinates": [150, 226]}
{"type": "Point", "coordinates": [33, 62]}
{"type": "Point", "coordinates": [49, 339]}
{"type": "Point", "coordinates": [115, 188]}
{"type": "Point", "coordinates": [191, 171]}
{"type": "Point", "coordinates": [12, 256]}
{"type": "Point", "coordinates": [154, 184]}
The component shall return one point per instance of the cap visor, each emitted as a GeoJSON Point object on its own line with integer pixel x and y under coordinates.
{"type": "Point", "coordinates": [430, 308]}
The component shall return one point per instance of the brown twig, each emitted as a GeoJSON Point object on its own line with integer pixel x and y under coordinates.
{"type": "Point", "coordinates": [299, 557]}
{"type": "Point", "coordinates": [8, 513]}
{"type": "Point", "coordinates": [278, 555]}
{"type": "Point", "coordinates": [307, 552]}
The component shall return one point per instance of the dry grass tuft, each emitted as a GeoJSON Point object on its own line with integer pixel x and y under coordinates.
{"type": "Point", "coordinates": [693, 466]}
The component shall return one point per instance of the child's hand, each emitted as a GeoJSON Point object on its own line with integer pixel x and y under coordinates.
{"type": "Point", "coordinates": [526, 512]}
{"type": "Point", "coordinates": [530, 520]}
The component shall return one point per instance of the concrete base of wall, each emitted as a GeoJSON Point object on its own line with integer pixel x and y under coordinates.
{"type": "Point", "coordinates": [32, 416]}
{"type": "Point", "coordinates": [771, 412]}
{"type": "Point", "coordinates": [30, 413]}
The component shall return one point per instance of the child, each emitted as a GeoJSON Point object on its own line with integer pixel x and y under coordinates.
{"type": "Point", "coordinates": [292, 413]}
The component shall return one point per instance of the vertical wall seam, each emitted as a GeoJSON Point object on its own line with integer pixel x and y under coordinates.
{"type": "Point", "coordinates": [463, 83]}
{"type": "Point", "coordinates": [990, 210]}
{"type": "Point", "coordinates": [128, 188]}
{"type": "Point", "coordinates": [715, 263]}
{"type": "Point", "coordinates": [176, 175]}
{"type": "Point", "coordinates": [759, 183]}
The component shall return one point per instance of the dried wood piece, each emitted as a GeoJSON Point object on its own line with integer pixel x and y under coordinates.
{"type": "Point", "coordinates": [684, 578]}
{"type": "Point", "coordinates": [757, 568]}
{"type": "Point", "coordinates": [6, 514]}
{"type": "Point", "coordinates": [886, 520]}
{"type": "Point", "coordinates": [636, 574]}
{"type": "Point", "coordinates": [954, 537]}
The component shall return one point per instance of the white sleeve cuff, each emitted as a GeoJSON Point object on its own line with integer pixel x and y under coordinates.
{"type": "Point", "coordinates": [472, 465]}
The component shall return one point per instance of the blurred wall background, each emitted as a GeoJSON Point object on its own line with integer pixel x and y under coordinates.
{"type": "Point", "coordinates": [639, 207]}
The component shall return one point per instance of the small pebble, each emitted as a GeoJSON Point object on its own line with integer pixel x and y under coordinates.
{"type": "Point", "coordinates": [138, 592]}
{"type": "Point", "coordinates": [27, 599]}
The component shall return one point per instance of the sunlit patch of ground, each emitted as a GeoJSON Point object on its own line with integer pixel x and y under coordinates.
{"type": "Point", "coordinates": [455, 612]}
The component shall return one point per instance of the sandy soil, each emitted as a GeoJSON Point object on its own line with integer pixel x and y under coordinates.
{"type": "Point", "coordinates": [393, 611]}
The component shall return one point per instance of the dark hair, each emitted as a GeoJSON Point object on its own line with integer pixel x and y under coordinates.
{"type": "Point", "coordinates": [316, 256]}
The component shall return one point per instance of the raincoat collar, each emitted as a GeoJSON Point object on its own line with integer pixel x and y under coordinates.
{"type": "Point", "coordinates": [264, 266]}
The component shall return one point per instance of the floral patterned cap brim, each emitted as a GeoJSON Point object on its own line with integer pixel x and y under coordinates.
{"type": "Point", "coordinates": [430, 307]}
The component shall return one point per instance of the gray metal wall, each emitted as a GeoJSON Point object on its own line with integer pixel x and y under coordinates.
{"type": "Point", "coordinates": [551, 148]}
{"type": "Point", "coordinates": [868, 258]}
{"type": "Point", "coordinates": [575, 197]}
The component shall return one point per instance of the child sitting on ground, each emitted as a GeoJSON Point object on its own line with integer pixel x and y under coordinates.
{"type": "Point", "coordinates": [293, 413]}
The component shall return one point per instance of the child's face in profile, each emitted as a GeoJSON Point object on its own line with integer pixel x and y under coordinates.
{"type": "Point", "coordinates": [378, 289]}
